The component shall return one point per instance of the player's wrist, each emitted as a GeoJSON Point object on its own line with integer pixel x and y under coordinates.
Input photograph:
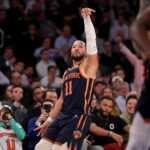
{"type": "Point", "coordinates": [37, 123]}
{"type": "Point", "coordinates": [50, 119]}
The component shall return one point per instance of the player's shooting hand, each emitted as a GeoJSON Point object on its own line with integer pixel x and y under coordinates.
{"type": "Point", "coordinates": [89, 141]}
{"type": "Point", "coordinates": [42, 128]}
{"type": "Point", "coordinates": [86, 12]}
{"type": "Point", "coordinates": [118, 138]}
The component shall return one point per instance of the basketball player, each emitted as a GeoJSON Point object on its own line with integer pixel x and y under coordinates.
{"type": "Point", "coordinates": [140, 130]}
{"type": "Point", "coordinates": [11, 132]}
{"type": "Point", "coordinates": [69, 128]}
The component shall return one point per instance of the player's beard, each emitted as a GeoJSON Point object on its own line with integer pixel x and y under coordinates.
{"type": "Point", "coordinates": [78, 58]}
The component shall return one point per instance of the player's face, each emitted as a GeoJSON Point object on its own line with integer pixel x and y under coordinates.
{"type": "Point", "coordinates": [106, 107]}
{"type": "Point", "coordinates": [78, 50]}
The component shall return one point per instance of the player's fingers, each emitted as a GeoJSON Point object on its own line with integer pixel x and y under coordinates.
{"type": "Point", "coordinates": [40, 133]}
{"type": "Point", "coordinates": [92, 10]}
{"type": "Point", "coordinates": [38, 128]}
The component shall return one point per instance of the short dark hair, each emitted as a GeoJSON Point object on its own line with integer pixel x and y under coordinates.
{"type": "Point", "coordinates": [131, 96]}
{"type": "Point", "coordinates": [51, 67]}
{"type": "Point", "coordinates": [16, 86]}
{"type": "Point", "coordinates": [106, 97]}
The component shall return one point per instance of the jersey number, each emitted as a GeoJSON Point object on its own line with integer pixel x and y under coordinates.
{"type": "Point", "coordinates": [10, 144]}
{"type": "Point", "coordinates": [68, 86]}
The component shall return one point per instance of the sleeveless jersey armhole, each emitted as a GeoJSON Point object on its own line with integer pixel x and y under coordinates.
{"type": "Point", "coordinates": [83, 74]}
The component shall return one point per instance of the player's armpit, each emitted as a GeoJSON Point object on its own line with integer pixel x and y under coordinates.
{"type": "Point", "coordinates": [90, 65]}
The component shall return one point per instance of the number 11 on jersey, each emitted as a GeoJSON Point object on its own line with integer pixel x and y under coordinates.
{"type": "Point", "coordinates": [68, 86]}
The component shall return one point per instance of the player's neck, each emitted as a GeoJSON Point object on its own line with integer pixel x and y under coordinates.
{"type": "Point", "coordinates": [76, 63]}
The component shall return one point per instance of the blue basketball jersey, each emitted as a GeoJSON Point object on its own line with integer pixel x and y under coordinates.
{"type": "Point", "coordinates": [77, 92]}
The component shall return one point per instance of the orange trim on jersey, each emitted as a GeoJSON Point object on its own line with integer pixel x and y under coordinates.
{"type": "Point", "coordinates": [91, 91]}
{"type": "Point", "coordinates": [64, 76]}
{"type": "Point", "coordinates": [70, 147]}
{"type": "Point", "coordinates": [85, 105]}
{"type": "Point", "coordinates": [147, 120]}
{"type": "Point", "coordinates": [82, 72]}
{"type": "Point", "coordinates": [57, 143]}
{"type": "Point", "coordinates": [85, 101]}
{"type": "Point", "coordinates": [75, 147]}
{"type": "Point", "coordinates": [72, 67]}
{"type": "Point", "coordinates": [80, 120]}
{"type": "Point", "coordinates": [87, 84]}
{"type": "Point", "coordinates": [47, 139]}
{"type": "Point", "coordinates": [84, 122]}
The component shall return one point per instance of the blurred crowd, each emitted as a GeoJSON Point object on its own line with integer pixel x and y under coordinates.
{"type": "Point", "coordinates": [36, 36]}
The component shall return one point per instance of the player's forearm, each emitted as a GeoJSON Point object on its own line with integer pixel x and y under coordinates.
{"type": "Point", "coordinates": [57, 108]}
{"type": "Point", "coordinates": [17, 128]}
{"type": "Point", "coordinates": [90, 36]}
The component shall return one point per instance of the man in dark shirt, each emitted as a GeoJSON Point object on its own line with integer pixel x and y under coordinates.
{"type": "Point", "coordinates": [113, 124]}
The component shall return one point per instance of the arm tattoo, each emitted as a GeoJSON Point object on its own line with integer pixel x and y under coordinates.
{"type": "Point", "coordinates": [87, 68]}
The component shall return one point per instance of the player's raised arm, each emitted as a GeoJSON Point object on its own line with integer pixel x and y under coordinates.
{"type": "Point", "coordinates": [90, 64]}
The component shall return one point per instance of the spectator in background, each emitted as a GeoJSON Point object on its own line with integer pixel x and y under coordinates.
{"type": "Point", "coordinates": [46, 45]}
{"type": "Point", "coordinates": [53, 54]}
{"type": "Point", "coordinates": [108, 91]}
{"type": "Point", "coordinates": [42, 65]}
{"type": "Point", "coordinates": [37, 98]}
{"type": "Point", "coordinates": [19, 67]}
{"type": "Point", "coordinates": [16, 78]}
{"type": "Point", "coordinates": [28, 42]}
{"type": "Point", "coordinates": [20, 112]}
{"type": "Point", "coordinates": [11, 131]}
{"type": "Point", "coordinates": [7, 96]}
{"type": "Point", "coordinates": [137, 64]}
{"type": "Point", "coordinates": [65, 38]}
{"type": "Point", "coordinates": [128, 114]}
{"type": "Point", "coordinates": [34, 83]}
{"type": "Point", "coordinates": [120, 72]}
{"type": "Point", "coordinates": [119, 28]}
{"type": "Point", "coordinates": [94, 102]}
{"type": "Point", "coordinates": [4, 4]}
{"type": "Point", "coordinates": [3, 79]}
{"type": "Point", "coordinates": [109, 58]}
{"type": "Point", "coordinates": [105, 25]}
{"type": "Point", "coordinates": [113, 124]}
{"type": "Point", "coordinates": [116, 80]}
{"type": "Point", "coordinates": [8, 92]}
{"type": "Point", "coordinates": [48, 28]}
{"type": "Point", "coordinates": [51, 95]}
{"type": "Point", "coordinates": [98, 88]}
{"type": "Point", "coordinates": [131, 101]}
{"type": "Point", "coordinates": [34, 6]}
{"type": "Point", "coordinates": [51, 80]}
{"type": "Point", "coordinates": [29, 74]}
{"type": "Point", "coordinates": [36, 121]}
{"type": "Point", "coordinates": [123, 90]}
{"type": "Point", "coordinates": [7, 61]}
